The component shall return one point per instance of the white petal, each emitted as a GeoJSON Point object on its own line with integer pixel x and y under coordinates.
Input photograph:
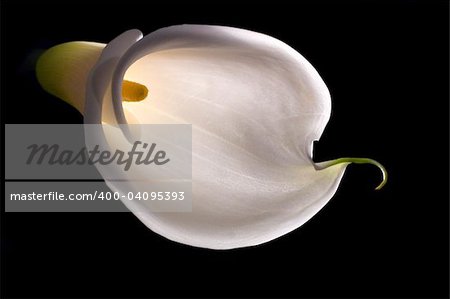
{"type": "Point", "coordinates": [256, 106]}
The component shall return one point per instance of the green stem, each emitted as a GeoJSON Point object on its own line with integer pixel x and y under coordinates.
{"type": "Point", "coordinates": [361, 161]}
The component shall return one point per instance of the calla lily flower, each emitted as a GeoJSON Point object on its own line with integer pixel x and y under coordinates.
{"type": "Point", "coordinates": [255, 104]}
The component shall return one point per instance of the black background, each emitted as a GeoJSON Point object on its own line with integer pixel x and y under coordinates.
{"type": "Point", "coordinates": [386, 65]}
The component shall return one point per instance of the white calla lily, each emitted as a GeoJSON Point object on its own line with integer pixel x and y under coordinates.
{"type": "Point", "coordinates": [255, 104]}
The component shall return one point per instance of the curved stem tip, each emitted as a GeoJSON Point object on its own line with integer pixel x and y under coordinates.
{"type": "Point", "coordinates": [362, 161]}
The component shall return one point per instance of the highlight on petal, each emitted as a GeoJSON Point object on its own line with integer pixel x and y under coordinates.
{"type": "Point", "coordinates": [256, 106]}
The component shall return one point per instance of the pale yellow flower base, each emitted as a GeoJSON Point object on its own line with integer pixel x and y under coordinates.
{"type": "Point", "coordinates": [63, 70]}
